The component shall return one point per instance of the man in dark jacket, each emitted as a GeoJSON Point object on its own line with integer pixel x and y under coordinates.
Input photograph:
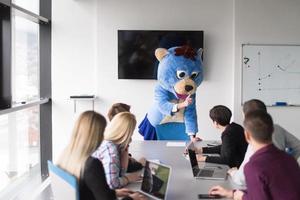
{"type": "Point", "coordinates": [234, 145]}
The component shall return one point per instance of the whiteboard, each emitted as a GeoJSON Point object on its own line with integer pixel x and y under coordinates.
{"type": "Point", "coordinates": [271, 73]}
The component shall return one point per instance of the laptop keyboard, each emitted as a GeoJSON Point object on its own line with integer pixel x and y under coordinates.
{"type": "Point", "coordinates": [205, 173]}
{"type": "Point", "coordinates": [196, 171]}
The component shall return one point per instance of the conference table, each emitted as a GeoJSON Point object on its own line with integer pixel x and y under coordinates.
{"type": "Point", "coordinates": [182, 184]}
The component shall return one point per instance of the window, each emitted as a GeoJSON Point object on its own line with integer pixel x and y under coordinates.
{"type": "Point", "coordinates": [25, 94]}
{"type": "Point", "coordinates": [25, 62]}
{"type": "Point", "coordinates": [30, 5]}
{"type": "Point", "coordinates": [19, 145]}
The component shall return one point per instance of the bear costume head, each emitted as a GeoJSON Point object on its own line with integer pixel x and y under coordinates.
{"type": "Point", "coordinates": [179, 70]}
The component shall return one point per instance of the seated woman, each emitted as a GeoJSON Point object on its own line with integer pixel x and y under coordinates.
{"type": "Point", "coordinates": [234, 145]}
{"type": "Point", "coordinates": [133, 165]}
{"type": "Point", "coordinates": [113, 152]}
{"type": "Point", "coordinates": [117, 108]}
{"type": "Point", "coordinates": [75, 159]}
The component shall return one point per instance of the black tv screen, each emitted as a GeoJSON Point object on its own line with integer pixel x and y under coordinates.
{"type": "Point", "coordinates": [136, 59]}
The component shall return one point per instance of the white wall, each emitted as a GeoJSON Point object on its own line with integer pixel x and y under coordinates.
{"type": "Point", "coordinates": [84, 55]}
{"type": "Point", "coordinates": [213, 16]}
{"type": "Point", "coordinates": [266, 22]}
{"type": "Point", "coordinates": [74, 36]}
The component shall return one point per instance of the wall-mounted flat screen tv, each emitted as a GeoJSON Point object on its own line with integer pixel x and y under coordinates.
{"type": "Point", "coordinates": [136, 59]}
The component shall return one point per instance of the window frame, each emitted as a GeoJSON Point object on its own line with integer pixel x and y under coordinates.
{"type": "Point", "coordinates": [7, 11]}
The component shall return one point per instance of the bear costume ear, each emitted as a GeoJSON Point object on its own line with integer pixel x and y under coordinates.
{"type": "Point", "coordinates": [160, 53]}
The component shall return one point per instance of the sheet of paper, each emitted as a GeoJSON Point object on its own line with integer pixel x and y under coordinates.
{"type": "Point", "coordinates": [186, 156]}
{"type": "Point", "coordinates": [155, 160]}
{"type": "Point", "coordinates": [176, 144]}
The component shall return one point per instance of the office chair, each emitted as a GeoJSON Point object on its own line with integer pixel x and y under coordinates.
{"type": "Point", "coordinates": [171, 131]}
{"type": "Point", "coordinates": [64, 185]}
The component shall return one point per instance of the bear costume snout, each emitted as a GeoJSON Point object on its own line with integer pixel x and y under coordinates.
{"type": "Point", "coordinates": [188, 88]}
{"type": "Point", "coordinates": [185, 87]}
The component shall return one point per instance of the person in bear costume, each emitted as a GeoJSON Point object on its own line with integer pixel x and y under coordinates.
{"type": "Point", "coordinates": [179, 74]}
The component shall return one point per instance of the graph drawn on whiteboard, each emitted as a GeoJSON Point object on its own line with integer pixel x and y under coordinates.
{"type": "Point", "coordinates": [271, 73]}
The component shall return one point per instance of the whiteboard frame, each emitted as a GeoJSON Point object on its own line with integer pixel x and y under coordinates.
{"type": "Point", "coordinates": [242, 71]}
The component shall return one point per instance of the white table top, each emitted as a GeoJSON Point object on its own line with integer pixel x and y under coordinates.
{"type": "Point", "coordinates": [182, 186]}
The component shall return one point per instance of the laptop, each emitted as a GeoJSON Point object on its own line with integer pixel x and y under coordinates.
{"type": "Point", "coordinates": [155, 180]}
{"type": "Point", "coordinates": [209, 170]}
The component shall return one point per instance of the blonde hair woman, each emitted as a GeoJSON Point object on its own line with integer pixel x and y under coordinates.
{"type": "Point", "coordinates": [113, 152]}
{"type": "Point", "coordinates": [75, 159]}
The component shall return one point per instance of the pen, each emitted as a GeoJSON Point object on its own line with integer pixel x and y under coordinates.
{"type": "Point", "coordinates": [281, 103]}
{"type": "Point", "coordinates": [284, 104]}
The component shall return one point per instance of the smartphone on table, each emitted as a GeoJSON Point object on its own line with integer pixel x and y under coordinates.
{"type": "Point", "coordinates": [209, 196]}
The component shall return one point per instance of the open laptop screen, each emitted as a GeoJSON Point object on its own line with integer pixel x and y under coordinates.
{"type": "Point", "coordinates": [192, 155]}
{"type": "Point", "coordinates": [155, 180]}
{"type": "Point", "coordinates": [193, 158]}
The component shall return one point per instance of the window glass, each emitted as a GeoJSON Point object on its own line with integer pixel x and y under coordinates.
{"type": "Point", "coordinates": [25, 71]}
{"type": "Point", "coordinates": [19, 145]}
{"type": "Point", "coordinates": [31, 5]}
{"type": "Point", "coordinates": [20, 151]}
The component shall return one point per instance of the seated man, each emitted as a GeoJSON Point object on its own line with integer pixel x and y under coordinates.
{"type": "Point", "coordinates": [281, 138]}
{"type": "Point", "coordinates": [233, 147]}
{"type": "Point", "coordinates": [270, 173]}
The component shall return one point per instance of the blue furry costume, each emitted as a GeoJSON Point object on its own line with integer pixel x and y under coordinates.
{"type": "Point", "coordinates": [179, 74]}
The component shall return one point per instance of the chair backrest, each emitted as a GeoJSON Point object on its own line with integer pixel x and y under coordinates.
{"type": "Point", "coordinates": [64, 185]}
{"type": "Point", "coordinates": [171, 131]}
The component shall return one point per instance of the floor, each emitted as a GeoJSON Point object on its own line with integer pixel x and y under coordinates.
{"type": "Point", "coordinates": [45, 195]}
{"type": "Point", "coordinates": [29, 187]}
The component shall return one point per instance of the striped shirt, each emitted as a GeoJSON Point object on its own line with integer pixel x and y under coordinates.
{"type": "Point", "coordinates": [109, 154]}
